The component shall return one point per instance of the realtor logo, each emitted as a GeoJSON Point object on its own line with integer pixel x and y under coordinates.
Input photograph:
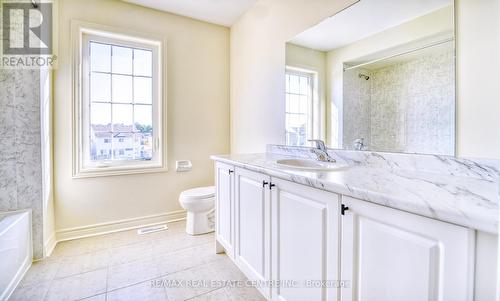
{"type": "Point", "coordinates": [27, 28]}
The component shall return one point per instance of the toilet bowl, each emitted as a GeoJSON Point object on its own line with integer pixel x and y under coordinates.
{"type": "Point", "coordinates": [199, 204]}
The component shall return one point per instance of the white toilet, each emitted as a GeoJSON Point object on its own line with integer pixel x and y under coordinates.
{"type": "Point", "coordinates": [199, 204]}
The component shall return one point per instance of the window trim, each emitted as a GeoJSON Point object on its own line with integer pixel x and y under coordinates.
{"type": "Point", "coordinates": [313, 75]}
{"type": "Point", "coordinates": [85, 115]}
{"type": "Point", "coordinates": [81, 31]}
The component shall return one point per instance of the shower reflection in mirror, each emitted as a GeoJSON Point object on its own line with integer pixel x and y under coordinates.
{"type": "Point", "coordinates": [388, 83]}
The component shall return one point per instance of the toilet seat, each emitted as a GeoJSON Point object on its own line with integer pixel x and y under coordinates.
{"type": "Point", "coordinates": [199, 193]}
{"type": "Point", "coordinates": [197, 204]}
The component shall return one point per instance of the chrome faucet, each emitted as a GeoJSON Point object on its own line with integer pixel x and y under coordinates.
{"type": "Point", "coordinates": [359, 144]}
{"type": "Point", "coordinates": [321, 152]}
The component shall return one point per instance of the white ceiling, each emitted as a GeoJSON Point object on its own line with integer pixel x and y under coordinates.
{"type": "Point", "coordinates": [362, 20]}
{"type": "Point", "coordinates": [222, 12]}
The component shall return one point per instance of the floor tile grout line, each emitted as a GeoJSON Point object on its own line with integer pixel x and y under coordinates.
{"type": "Point", "coordinates": [88, 297]}
{"type": "Point", "coordinates": [78, 274]}
{"type": "Point", "coordinates": [52, 282]}
{"type": "Point", "coordinates": [47, 292]}
{"type": "Point", "coordinates": [165, 291]}
{"type": "Point", "coordinates": [45, 295]}
{"type": "Point", "coordinates": [205, 293]}
{"type": "Point", "coordinates": [132, 284]}
{"type": "Point", "coordinates": [161, 276]}
{"type": "Point", "coordinates": [116, 265]}
{"type": "Point", "coordinates": [106, 246]}
{"type": "Point", "coordinates": [164, 288]}
{"type": "Point", "coordinates": [161, 253]}
{"type": "Point", "coordinates": [136, 243]}
{"type": "Point", "coordinates": [102, 268]}
{"type": "Point", "coordinates": [107, 281]}
{"type": "Point", "coordinates": [110, 246]}
{"type": "Point", "coordinates": [59, 263]}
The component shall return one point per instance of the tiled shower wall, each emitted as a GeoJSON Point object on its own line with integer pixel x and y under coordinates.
{"type": "Point", "coordinates": [356, 107]}
{"type": "Point", "coordinates": [20, 148]}
{"type": "Point", "coordinates": [411, 105]}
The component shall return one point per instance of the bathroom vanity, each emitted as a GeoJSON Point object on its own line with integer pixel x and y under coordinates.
{"type": "Point", "coordinates": [377, 229]}
{"type": "Point", "coordinates": [379, 221]}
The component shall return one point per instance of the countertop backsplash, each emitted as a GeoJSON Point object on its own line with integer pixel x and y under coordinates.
{"type": "Point", "coordinates": [486, 169]}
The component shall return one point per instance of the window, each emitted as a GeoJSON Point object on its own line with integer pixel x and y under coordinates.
{"type": "Point", "coordinates": [299, 107]}
{"type": "Point", "coordinates": [120, 115]}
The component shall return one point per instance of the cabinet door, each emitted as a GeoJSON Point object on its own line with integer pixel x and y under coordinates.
{"type": "Point", "coordinates": [305, 242]}
{"type": "Point", "coordinates": [389, 254]}
{"type": "Point", "coordinates": [252, 220]}
{"type": "Point", "coordinates": [224, 206]}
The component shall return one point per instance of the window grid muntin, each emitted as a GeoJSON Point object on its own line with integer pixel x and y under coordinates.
{"type": "Point", "coordinates": [289, 111]}
{"type": "Point", "coordinates": [111, 102]}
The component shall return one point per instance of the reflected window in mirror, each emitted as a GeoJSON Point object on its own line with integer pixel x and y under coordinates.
{"type": "Point", "coordinates": [299, 106]}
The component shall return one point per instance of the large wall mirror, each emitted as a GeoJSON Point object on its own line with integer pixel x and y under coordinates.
{"type": "Point", "coordinates": [379, 75]}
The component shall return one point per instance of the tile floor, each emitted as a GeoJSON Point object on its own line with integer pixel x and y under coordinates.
{"type": "Point", "coordinates": [167, 265]}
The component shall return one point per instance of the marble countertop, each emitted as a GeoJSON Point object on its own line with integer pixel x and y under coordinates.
{"type": "Point", "coordinates": [467, 201]}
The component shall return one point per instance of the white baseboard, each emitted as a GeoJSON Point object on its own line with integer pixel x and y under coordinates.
{"type": "Point", "coordinates": [120, 225]}
{"type": "Point", "coordinates": [49, 245]}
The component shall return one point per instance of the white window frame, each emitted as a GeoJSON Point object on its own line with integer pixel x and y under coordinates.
{"type": "Point", "coordinates": [82, 34]}
{"type": "Point", "coordinates": [313, 75]}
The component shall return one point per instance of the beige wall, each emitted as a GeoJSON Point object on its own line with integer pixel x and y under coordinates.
{"type": "Point", "coordinates": [258, 64]}
{"type": "Point", "coordinates": [197, 121]}
{"type": "Point", "coordinates": [312, 60]}
{"type": "Point", "coordinates": [478, 62]}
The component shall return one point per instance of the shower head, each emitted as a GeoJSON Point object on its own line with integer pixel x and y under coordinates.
{"type": "Point", "coordinates": [361, 75]}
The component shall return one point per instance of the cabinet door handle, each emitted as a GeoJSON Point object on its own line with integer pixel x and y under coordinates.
{"type": "Point", "coordinates": [343, 209]}
{"type": "Point", "coordinates": [264, 183]}
{"type": "Point", "coordinates": [231, 171]}
{"type": "Point", "coordinates": [271, 186]}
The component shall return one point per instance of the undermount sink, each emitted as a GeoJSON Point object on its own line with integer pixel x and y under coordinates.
{"type": "Point", "coordinates": [305, 164]}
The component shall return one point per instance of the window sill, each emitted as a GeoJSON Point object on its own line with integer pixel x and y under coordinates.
{"type": "Point", "coordinates": [118, 171]}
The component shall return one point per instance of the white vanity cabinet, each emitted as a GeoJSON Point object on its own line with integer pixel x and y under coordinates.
{"type": "Point", "coordinates": [292, 226]}
{"type": "Point", "coordinates": [224, 207]}
{"type": "Point", "coordinates": [389, 254]}
{"type": "Point", "coordinates": [305, 242]}
{"type": "Point", "coordinates": [252, 198]}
